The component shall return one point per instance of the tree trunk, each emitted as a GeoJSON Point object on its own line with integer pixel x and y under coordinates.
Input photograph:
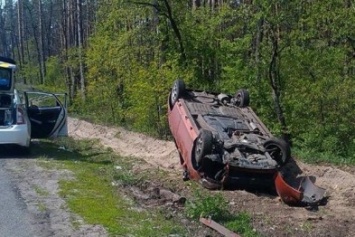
{"type": "Point", "coordinates": [20, 32]}
{"type": "Point", "coordinates": [40, 43]}
{"type": "Point", "coordinates": [275, 83]}
{"type": "Point", "coordinates": [176, 31]}
{"type": "Point", "coordinates": [80, 47]}
{"type": "Point", "coordinates": [64, 42]}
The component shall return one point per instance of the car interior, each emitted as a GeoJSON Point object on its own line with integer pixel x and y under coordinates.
{"type": "Point", "coordinates": [5, 79]}
{"type": "Point", "coordinates": [5, 104]}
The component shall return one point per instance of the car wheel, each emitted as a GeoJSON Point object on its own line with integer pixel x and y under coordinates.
{"type": "Point", "coordinates": [241, 98]}
{"type": "Point", "coordinates": [177, 91]}
{"type": "Point", "coordinates": [203, 145]}
{"type": "Point", "coordinates": [278, 149]}
{"type": "Point", "coordinates": [223, 99]}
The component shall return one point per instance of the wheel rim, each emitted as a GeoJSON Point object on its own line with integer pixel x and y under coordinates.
{"type": "Point", "coordinates": [198, 150]}
{"type": "Point", "coordinates": [275, 152]}
{"type": "Point", "coordinates": [239, 98]}
{"type": "Point", "coordinates": [174, 93]}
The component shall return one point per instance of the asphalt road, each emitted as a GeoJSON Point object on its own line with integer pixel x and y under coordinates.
{"type": "Point", "coordinates": [15, 221]}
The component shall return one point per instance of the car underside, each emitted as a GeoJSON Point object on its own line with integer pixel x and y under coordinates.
{"type": "Point", "coordinates": [222, 142]}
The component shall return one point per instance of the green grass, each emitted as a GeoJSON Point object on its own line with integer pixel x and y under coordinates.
{"type": "Point", "coordinates": [92, 195]}
{"type": "Point", "coordinates": [313, 157]}
{"type": "Point", "coordinates": [97, 193]}
{"type": "Point", "coordinates": [214, 206]}
{"type": "Point", "coordinates": [41, 207]}
{"type": "Point", "coordinates": [40, 191]}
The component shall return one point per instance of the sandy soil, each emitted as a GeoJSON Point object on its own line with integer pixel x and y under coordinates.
{"type": "Point", "coordinates": [156, 152]}
{"type": "Point", "coordinates": [271, 217]}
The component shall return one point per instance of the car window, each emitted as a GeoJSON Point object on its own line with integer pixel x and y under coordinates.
{"type": "Point", "coordinates": [41, 100]}
{"type": "Point", "coordinates": [20, 97]}
{"type": "Point", "coordinates": [5, 79]}
{"type": "Point", "coordinates": [5, 100]}
{"type": "Point", "coordinates": [62, 97]}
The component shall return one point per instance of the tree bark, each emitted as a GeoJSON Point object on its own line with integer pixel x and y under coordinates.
{"type": "Point", "coordinates": [42, 64]}
{"type": "Point", "coordinates": [275, 83]}
{"type": "Point", "coordinates": [80, 47]}
{"type": "Point", "coordinates": [20, 31]}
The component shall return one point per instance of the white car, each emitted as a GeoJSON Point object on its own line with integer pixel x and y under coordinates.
{"type": "Point", "coordinates": [27, 115]}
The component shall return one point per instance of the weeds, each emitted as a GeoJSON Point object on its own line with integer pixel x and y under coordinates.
{"type": "Point", "coordinates": [41, 191]}
{"type": "Point", "coordinates": [92, 194]}
{"type": "Point", "coordinates": [217, 208]}
{"type": "Point", "coordinates": [207, 206]}
{"type": "Point", "coordinates": [313, 157]}
{"type": "Point", "coordinates": [96, 193]}
{"type": "Point", "coordinates": [41, 207]}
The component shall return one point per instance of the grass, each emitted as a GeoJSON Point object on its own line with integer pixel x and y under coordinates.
{"type": "Point", "coordinates": [41, 207]}
{"type": "Point", "coordinates": [92, 195]}
{"type": "Point", "coordinates": [306, 226]}
{"type": "Point", "coordinates": [40, 191]}
{"type": "Point", "coordinates": [97, 193]}
{"type": "Point", "coordinates": [214, 206]}
{"type": "Point", "coordinates": [313, 157]}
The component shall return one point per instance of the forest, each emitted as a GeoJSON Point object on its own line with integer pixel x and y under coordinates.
{"type": "Point", "coordinates": [117, 60]}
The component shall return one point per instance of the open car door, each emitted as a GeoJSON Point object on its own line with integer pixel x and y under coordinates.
{"type": "Point", "coordinates": [47, 113]}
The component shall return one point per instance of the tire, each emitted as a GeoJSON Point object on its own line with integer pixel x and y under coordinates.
{"type": "Point", "coordinates": [279, 150]}
{"type": "Point", "coordinates": [177, 91]}
{"type": "Point", "coordinates": [203, 145]}
{"type": "Point", "coordinates": [223, 99]}
{"type": "Point", "coordinates": [241, 98]}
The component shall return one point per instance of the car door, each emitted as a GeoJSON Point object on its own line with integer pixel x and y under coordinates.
{"type": "Point", "coordinates": [47, 113]}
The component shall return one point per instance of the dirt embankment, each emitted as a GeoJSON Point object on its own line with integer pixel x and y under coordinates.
{"type": "Point", "coordinates": [271, 217]}
{"type": "Point", "coordinates": [155, 152]}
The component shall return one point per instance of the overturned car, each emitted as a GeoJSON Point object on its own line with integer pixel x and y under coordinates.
{"type": "Point", "coordinates": [223, 143]}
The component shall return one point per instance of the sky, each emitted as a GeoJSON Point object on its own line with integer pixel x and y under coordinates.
{"type": "Point", "coordinates": [3, 2]}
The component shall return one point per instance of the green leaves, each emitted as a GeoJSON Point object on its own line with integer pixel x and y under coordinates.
{"type": "Point", "coordinates": [135, 53]}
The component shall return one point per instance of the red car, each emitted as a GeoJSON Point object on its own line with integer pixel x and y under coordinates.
{"type": "Point", "coordinates": [222, 143]}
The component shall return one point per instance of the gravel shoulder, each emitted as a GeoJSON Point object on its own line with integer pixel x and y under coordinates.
{"type": "Point", "coordinates": [47, 213]}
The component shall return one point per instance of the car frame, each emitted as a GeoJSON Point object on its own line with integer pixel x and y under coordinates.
{"type": "Point", "coordinates": [222, 143]}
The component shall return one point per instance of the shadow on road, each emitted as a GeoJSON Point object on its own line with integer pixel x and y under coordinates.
{"type": "Point", "coordinates": [13, 151]}
{"type": "Point", "coordinates": [50, 150]}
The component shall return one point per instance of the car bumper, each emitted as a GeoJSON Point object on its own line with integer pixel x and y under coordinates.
{"type": "Point", "coordinates": [296, 191]}
{"type": "Point", "coordinates": [299, 191]}
{"type": "Point", "coordinates": [15, 134]}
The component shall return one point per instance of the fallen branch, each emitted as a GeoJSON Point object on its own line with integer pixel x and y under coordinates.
{"type": "Point", "coordinates": [219, 228]}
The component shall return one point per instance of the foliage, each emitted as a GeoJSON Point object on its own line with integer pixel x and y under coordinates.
{"type": "Point", "coordinates": [213, 206]}
{"type": "Point", "coordinates": [216, 208]}
{"type": "Point", "coordinates": [28, 74]}
{"type": "Point", "coordinates": [54, 76]}
{"type": "Point", "coordinates": [93, 193]}
{"type": "Point", "coordinates": [241, 223]}
{"type": "Point", "coordinates": [295, 58]}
